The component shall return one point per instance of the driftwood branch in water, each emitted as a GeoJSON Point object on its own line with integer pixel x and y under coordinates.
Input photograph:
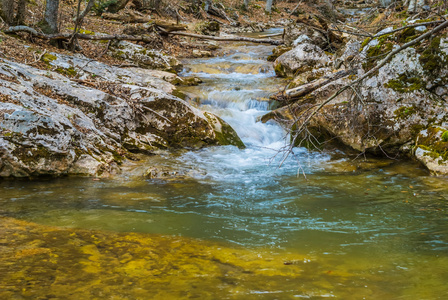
{"type": "Point", "coordinates": [228, 39]}
{"type": "Point", "coordinates": [314, 85]}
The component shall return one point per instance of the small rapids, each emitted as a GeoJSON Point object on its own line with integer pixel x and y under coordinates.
{"type": "Point", "coordinates": [237, 85]}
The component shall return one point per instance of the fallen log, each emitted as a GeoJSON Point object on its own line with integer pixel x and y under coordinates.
{"type": "Point", "coordinates": [131, 17]}
{"type": "Point", "coordinates": [228, 39]}
{"type": "Point", "coordinates": [119, 37]}
{"type": "Point", "coordinates": [66, 36]}
{"type": "Point", "coordinates": [127, 18]}
{"type": "Point", "coordinates": [307, 88]}
{"type": "Point", "coordinates": [170, 26]}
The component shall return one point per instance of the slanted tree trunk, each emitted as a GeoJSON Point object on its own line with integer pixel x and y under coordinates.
{"type": "Point", "coordinates": [8, 11]}
{"type": "Point", "coordinates": [269, 6]}
{"type": "Point", "coordinates": [49, 24]}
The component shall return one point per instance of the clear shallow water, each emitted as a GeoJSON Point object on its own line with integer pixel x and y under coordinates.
{"type": "Point", "coordinates": [374, 229]}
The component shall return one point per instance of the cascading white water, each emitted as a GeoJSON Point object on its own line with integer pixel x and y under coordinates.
{"type": "Point", "coordinates": [237, 85]}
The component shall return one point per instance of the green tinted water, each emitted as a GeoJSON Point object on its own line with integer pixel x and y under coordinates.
{"type": "Point", "coordinates": [230, 224]}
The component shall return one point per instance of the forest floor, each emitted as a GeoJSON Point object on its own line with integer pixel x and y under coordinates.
{"type": "Point", "coordinates": [26, 49]}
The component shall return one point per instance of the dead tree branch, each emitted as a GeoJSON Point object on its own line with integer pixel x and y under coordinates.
{"type": "Point", "coordinates": [302, 90]}
{"type": "Point", "coordinates": [228, 39]}
{"type": "Point", "coordinates": [130, 17]}
{"type": "Point", "coordinates": [144, 38]}
{"type": "Point", "coordinates": [388, 32]}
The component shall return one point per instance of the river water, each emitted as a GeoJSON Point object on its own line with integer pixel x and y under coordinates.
{"type": "Point", "coordinates": [232, 224]}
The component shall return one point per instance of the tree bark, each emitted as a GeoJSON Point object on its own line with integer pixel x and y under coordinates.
{"type": "Point", "coordinates": [50, 22]}
{"type": "Point", "coordinates": [314, 85]}
{"type": "Point", "coordinates": [8, 11]}
{"type": "Point", "coordinates": [236, 38]}
{"type": "Point", "coordinates": [21, 10]}
{"type": "Point", "coordinates": [116, 7]}
{"type": "Point", "coordinates": [269, 6]}
{"type": "Point", "coordinates": [246, 4]}
{"type": "Point", "coordinates": [415, 5]}
{"type": "Point", "coordinates": [144, 38]}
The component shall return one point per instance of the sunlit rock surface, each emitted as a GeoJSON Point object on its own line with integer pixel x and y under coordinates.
{"type": "Point", "coordinates": [302, 58]}
{"type": "Point", "coordinates": [144, 58]}
{"type": "Point", "coordinates": [52, 125]}
{"type": "Point", "coordinates": [405, 96]}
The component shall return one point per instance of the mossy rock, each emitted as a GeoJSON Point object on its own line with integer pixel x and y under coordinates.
{"type": "Point", "coordinates": [406, 83]}
{"type": "Point", "coordinates": [277, 51]}
{"type": "Point", "coordinates": [379, 51]}
{"type": "Point", "coordinates": [433, 60]}
{"type": "Point", "coordinates": [405, 112]}
{"type": "Point", "coordinates": [434, 140]}
{"type": "Point", "coordinates": [225, 134]}
{"type": "Point", "coordinates": [48, 58]}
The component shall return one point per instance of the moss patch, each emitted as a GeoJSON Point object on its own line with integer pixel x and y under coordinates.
{"type": "Point", "coordinates": [406, 83]}
{"type": "Point", "coordinates": [375, 53]}
{"type": "Point", "coordinates": [279, 50]}
{"type": "Point", "coordinates": [433, 59]}
{"type": "Point", "coordinates": [404, 112]}
{"type": "Point", "coordinates": [47, 58]}
{"type": "Point", "coordinates": [435, 141]}
{"type": "Point", "coordinates": [71, 72]}
{"type": "Point", "coordinates": [445, 136]}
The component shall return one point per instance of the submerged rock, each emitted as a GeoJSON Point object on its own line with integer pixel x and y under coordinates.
{"type": "Point", "coordinates": [49, 262]}
{"type": "Point", "coordinates": [51, 125]}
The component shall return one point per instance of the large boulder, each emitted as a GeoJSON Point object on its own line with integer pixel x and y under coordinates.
{"type": "Point", "coordinates": [296, 33]}
{"type": "Point", "coordinates": [302, 58]}
{"type": "Point", "coordinates": [51, 125]}
{"type": "Point", "coordinates": [390, 109]}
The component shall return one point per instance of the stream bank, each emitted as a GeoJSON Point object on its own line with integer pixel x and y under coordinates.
{"type": "Point", "coordinates": [224, 222]}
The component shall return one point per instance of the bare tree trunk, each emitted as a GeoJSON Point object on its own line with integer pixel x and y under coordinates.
{"type": "Point", "coordinates": [8, 11]}
{"type": "Point", "coordinates": [207, 5]}
{"type": "Point", "coordinates": [246, 4]}
{"type": "Point", "coordinates": [415, 5]}
{"type": "Point", "coordinates": [116, 7]}
{"type": "Point", "coordinates": [50, 22]}
{"type": "Point", "coordinates": [21, 10]}
{"type": "Point", "coordinates": [385, 3]}
{"type": "Point", "coordinates": [269, 6]}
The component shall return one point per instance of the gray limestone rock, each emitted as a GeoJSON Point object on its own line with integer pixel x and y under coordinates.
{"type": "Point", "coordinates": [53, 125]}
